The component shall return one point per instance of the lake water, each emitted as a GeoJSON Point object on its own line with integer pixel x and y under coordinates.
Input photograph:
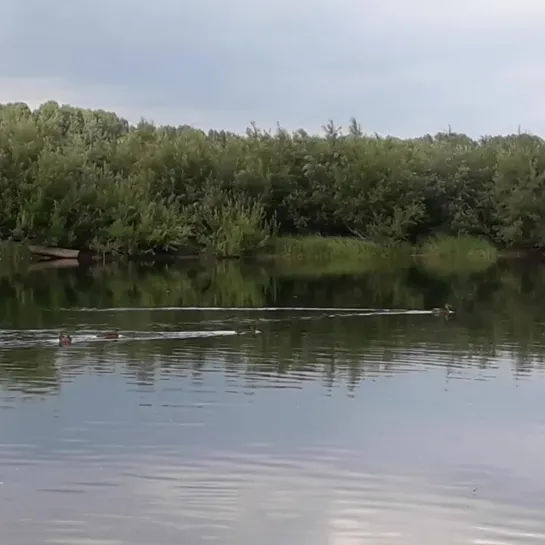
{"type": "Point", "coordinates": [353, 417]}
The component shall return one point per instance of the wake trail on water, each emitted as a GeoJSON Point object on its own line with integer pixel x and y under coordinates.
{"type": "Point", "coordinates": [353, 311]}
{"type": "Point", "coordinates": [35, 337]}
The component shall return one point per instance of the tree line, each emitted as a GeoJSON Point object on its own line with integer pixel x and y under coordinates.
{"type": "Point", "coordinates": [87, 179]}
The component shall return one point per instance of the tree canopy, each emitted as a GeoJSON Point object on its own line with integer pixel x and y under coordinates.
{"type": "Point", "coordinates": [83, 178]}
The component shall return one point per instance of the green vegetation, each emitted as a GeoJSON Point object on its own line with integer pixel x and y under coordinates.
{"type": "Point", "coordinates": [324, 249]}
{"type": "Point", "coordinates": [458, 248]}
{"type": "Point", "coordinates": [452, 254]}
{"type": "Point", "coordinates": [340, 255]}
{"type": "Point", "coordinates": [87, 179]}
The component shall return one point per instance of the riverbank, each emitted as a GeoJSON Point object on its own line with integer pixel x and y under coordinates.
{"type": "Point", "coordinates": [326, 255]}
{"type": "Point", "coordinates": [32, 291]}
{"type": "Point", "coordinates": [301, 248]}
{"type": "Point", "coordinates": [344, 254]}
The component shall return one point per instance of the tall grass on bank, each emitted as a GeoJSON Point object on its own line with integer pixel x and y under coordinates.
{"type": "Point", "coordinates": [87, 179]}
{"type": "Point", "coordinates": [341, 255]}
{"type": "Point", "coordinates": [451, 254]}
{"type": "Point", "coordinates": [323, 249]}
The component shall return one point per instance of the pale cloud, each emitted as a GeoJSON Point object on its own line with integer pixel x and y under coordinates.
{"type": "Point", "coordinates": [399, 66]}
{"type": "Point", "coordinates": [466, 14]}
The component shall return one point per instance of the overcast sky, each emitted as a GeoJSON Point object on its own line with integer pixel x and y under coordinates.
{"type": "Point", "coordinates": [403, 67]}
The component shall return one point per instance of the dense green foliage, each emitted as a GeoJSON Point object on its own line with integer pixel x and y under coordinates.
{"type": "Point", "coordinates": [86, 179]}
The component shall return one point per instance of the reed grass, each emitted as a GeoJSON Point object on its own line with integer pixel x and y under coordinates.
{"type": "Point", "coordinates": [460, 248]}
{"type": "Point", "coordinates": [316, 248]}
{"type": "Point", "coordinates": [446, 255]}
{"type": "Point", "coordinates": [319, 248]}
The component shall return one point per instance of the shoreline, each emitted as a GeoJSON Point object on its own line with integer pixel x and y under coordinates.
{"type": "Point", "coordinates": [55, 257]}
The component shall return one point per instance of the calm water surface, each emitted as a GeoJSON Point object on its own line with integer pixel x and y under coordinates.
{"type": "Point", "coordinates": [365, 420]}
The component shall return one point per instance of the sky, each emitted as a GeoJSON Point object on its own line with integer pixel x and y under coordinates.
{"type": "Point", "coordinates": [400, 67]}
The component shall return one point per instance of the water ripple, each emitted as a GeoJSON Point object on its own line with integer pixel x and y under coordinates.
{"type": "Point", "coordinates": [235, 497]}
{"type": "Point", "coordinates": [408, 430]}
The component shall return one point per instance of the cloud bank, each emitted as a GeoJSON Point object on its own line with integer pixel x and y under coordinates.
{"type": "Point", "coordinates": [400, 67]}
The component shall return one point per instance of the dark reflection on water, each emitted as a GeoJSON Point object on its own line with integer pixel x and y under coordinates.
{"type": "Point", "coordinates": [329, 427]}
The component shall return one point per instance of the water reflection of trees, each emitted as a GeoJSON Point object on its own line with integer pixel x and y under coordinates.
{"type": "Point", "coordinates": [334, 351]}
{"type": "Point", "coordinates": [499, 314]}
{"type": "Point", "coordinates": [31, 371]}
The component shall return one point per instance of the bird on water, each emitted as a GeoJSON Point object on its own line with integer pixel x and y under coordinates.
{"type": "Point", "coordinates": [64, 338]}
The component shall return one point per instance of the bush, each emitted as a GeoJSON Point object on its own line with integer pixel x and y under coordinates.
{"type": "Point", "coordinates": [87, 179]}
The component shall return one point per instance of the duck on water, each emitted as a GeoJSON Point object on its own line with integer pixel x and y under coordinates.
{"type": "Point", "coordinates": [65, 339]}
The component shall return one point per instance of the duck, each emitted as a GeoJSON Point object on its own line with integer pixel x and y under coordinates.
{"type": "Point", "coordinates": [446, 310]}
{"type": "Point", "coordinates": [108, 335]}
{"type": "Point", "coordinates": [64, 339]}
